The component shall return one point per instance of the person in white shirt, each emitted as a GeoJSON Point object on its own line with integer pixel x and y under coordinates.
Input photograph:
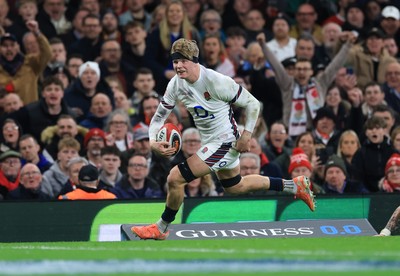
{"type": "Point", "coordinates": [209, 96]}
{"type": "Point", "coordinates": [282, 45]}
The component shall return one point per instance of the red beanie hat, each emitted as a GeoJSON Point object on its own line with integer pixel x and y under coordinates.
{"type": "Point", "coordinates": [394, 160]}
{"type": "Point", "coordinates": [299, 159]}
{"type": "Point", "coordinates": [93, 132]}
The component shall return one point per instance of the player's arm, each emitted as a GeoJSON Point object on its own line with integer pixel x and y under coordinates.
{"type": "Point", "coordinates": [252, 108]}
{"type": "Point", "coordinates": [162, 113]}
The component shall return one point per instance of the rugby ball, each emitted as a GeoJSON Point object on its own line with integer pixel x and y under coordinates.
{"type": "Point", "coordinates": [170, 133]}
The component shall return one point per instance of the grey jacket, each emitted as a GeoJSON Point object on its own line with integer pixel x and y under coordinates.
{"type": "Point", "coordinates": [287, 83]}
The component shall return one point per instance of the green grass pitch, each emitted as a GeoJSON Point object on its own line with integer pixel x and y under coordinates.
{"type": "Point", "coordinates": [274, 256]}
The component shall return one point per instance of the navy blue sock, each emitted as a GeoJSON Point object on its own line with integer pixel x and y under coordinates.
{"type": "Point", "coordinates": [169, 214]}
{"type": "Point", "coordinates": [275, 184]}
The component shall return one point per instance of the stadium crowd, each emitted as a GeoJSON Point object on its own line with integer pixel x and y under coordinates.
{"type": "Point", "coordinates": [81, 79]}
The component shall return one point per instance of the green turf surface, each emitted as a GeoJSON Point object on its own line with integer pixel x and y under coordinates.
{"type": "Point", "coordinates": [384, 250]}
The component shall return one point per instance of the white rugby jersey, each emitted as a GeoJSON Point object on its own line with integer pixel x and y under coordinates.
{"type": "Point", "coordinates": [209, 100]}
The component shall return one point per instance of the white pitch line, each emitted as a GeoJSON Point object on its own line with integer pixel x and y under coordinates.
{"type": "Point", "coordinates": [394, 254]}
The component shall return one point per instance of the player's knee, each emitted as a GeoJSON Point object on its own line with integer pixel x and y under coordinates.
{"type": "Point", "coordinates": [175, 178]}
{"type": "Point", "coordinates": [233, 185]}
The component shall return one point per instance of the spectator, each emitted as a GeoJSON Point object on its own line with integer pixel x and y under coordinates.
{"type": "Point", "coordinates": [390, 183]}
{"type": "Point", "coordinates": [30, 44]}
{"type": "Point", "coordinates": [79, 95]}
{"type": "Point", "coordinates": [27, 10]}
{"type": "Point", "coordinates": [136, 12]}
{"type": "Point", "coordinates": [55, 178]}
{"type": "Point", "coordinates": [11, 131]}
{"type": "Point", "coordinates": [22, 72]}
{"type": "Point", "coordinates": [87, 188]}
{"type": "Point", "coordinates": [119, 130]}
{"type": "Point", "coordinates": [391, 86]}
{"type": "Point", "coordinates": [74, 61]}
{"type": "Point", "coordinates": [147, 108]}
{"type": "Point", "coordinates": [349, 144]}
{"type": "Point", "coordinates": [157, 15]}
{"type": "Point", "coordinates": [191, 143]}
{"type": "Point", "coordinates": [74, 166]}
{"type": "Point", "coordinates": [38, 115]}
{"type": "Point", "coordinates": [110, 163]}
{"type": "Point", "coordinates": [373, 12]}
{"type": "Point", "coordinates": [144, 84]}
{"type": "Point", "coordinates": [112, 64]}
{"type": "Point", "coordinates": [235, 16]}
{"type": "Point", "coordinates": [109, 22]}
{"type": "Point", "coordinates": [267, 168]}
{"type": "Point", "coordinates": [282, 45]}
{"type": "Point", "coordinates": [369, 161]}
{"type": "Point", "coordinates": [336, 181]}
{"type": "Point", "coordinates": [235, 45]}
{"type": "Point", "coordinates": [65, 127]}
{"type": "Point", "coordinates": [389, 115]}
{"type": "Point", "coordinates": [10, 166]}
{"type": "Point", "coordinates": [302, 96]}
{"type": "Point", "coordinates": [135, 46]}
{"type": "Point", "coordinates": [201, 187]}
{"type": "Point", "coordinates": [94, 141]}
{"type": "Point", "coordinates": [89, 46]}
{"type": "Point", "coordinates": [390, 25]}
{"type": "Point", "coordinates": [77, 31]}
{"type": "Point", "coordinates": [62, 74]}
{"type": "Point", "coordinates": [306, 18]}
{"type": "Point", "coordinates": [30, 182]}
{"type": "Point", "coordinates": [100, 108]}
{"type": "Point", "coordinates": [249, 164]}
{"type": "Point", "coordinates": [276, 138]}
{"type": "Point", "coordinates": [391, 46]}
{"type": "Point", "coordinates": [30, 153]}
{"type": "Point", "coordinates": [373, 96]}
{"type": "Point", "coordinates": [340, 16]}
{"type": "Point", "coordinates": [254, 24]}
{"type": "Point", "coordinates": [12, 102]}
{"type": "Point", "coordinates": [211, 23]}
{"type": "Point", "coordinates": [330, 39]}
{"type": "Point", "coordinates": [325, 131]}
{"type": "Point", "coordinates": [136, 184]}
{"type": "Point", "coordinates": [59, 55]}
{"type": "Point", "coordinates": [215, 56]}
{"type": "Point", "coordinates": [52, 19]}
{"type": "Point", "coordinates": [370, 59]}
{"type": "Point", "coordinates": [91, 5]}
{"type": "Point", "coordinates": [173, 26]}
{"type": "Point", "coordinates": [193, 10]}
{"type": "Point", "coordinates": [355, 21]}
{"type": "Point", "coordinates": [118, 7]}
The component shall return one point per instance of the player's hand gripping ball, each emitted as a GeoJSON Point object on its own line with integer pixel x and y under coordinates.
{"type": "Point", "coordinates": [171, 134]}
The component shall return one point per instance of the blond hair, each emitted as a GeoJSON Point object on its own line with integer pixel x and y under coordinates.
{"type": "Point", "coordinates": [187, 48]}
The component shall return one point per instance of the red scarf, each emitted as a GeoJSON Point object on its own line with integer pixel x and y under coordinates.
{"type": "Point", "coordinates": [8, 184]}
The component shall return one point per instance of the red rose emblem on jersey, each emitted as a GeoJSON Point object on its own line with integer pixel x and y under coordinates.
{"type": "Point", "coordinates": [207, 96]}
{"type": "Point", "coordinates": [298, 106]}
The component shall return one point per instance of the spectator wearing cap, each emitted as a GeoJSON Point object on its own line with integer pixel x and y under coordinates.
{"type": "Point", "coordinates": [30, 153]}
{"type": "Point", "coordinates": [94, 141]}
{"type": "Point", "coordinates": [30, 182]}
{"type": "Point", "coordinates": [66, 127]}
{"type": "Point", "coordinates": [61, 73]}
{"type": "Point", "coordinates": [136, 183]}
{"type": "Point", "coordinates": [303, 95]}
{"type": "Point", "coordinates": [282, 45]}
{"type": "Point", "coordinates": [391, 182]}
{"type": "Point", "coordinates": [55, 178]}
{"type": "Point", "coordinates": [79, 95]}
{"type": "Point", "coordinates": [110, 164]}
{"type": "Point", "coordinates": [370, 160]}
{"type": "Point", "coordinates": [325, 131]}
{"type": "Point", "coordinates": [370, 59]}
{"type": "Point", "coordinates": [355, 21]}
{"type": "Point", "coordinates": [10, 166]}
{"type": "Point", "coordinates": [100, 108]}
{"type": "Point", "coordinates": [38, 115]}
{"type": "Point", "coordinates": [336, 181]}
{"type": "Point", "coordinates": [390, 23]}
{"type": "Point", "coordinates": [87, 188]}
{"type": "Point", "coordinates": [289, 65]}
{"type": "Point", "coordinates": [23, 71]}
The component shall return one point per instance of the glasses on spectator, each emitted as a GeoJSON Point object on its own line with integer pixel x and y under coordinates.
{"type": "Point", "coordinates": [192, 141]}
{"type": "Point", "coordinates": [118, 123]}
{"type": "Point", "coordinates": [30, 173]}
{"type": "Point", "coordinates": [10, 128]}
{"type": "Point", "coordinates": [393, 171]}
{"type": "Point", "coordinates": [137, 166]}
{"type": "Point", "coordinates": [11, 161]}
